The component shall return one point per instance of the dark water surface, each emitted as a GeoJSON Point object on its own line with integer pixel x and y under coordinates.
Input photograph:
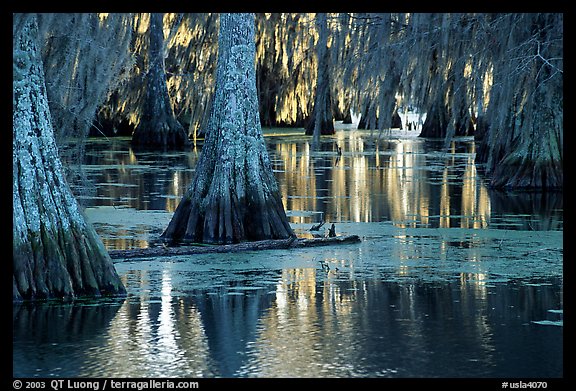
{"type": "Point", "coordinates": [300, 328]}
{"type": "Point", "coordinates": [451, 279]}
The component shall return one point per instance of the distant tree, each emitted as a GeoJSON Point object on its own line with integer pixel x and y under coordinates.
{"type": "Point", "coordinates": [234, 195]}
{"type": "Point", "coordinates": [441, 49]}
{"type": "Point", "coordinates": [191, 68]}
{"type": "Point", "coordinates": [321, 120]}
{"type": "Point", "coordinates": [84, 56]}
{"type": "Point", "coordinates": [158, 126]}
{"type": "Point", "coordinates": [370, 61]}
{"type": "Point", "coordinates": [56, 254]}
{"type": "Point", "coordinates": [497, 76]}
{"type": "Point", "coordinates": [285, 70]}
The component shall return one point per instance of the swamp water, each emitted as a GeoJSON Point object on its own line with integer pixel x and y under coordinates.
{"type": "Point", "coordinates": [451, 279]}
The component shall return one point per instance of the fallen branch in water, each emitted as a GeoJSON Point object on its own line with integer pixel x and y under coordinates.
{"type": "Point", "coordinates": [164, 251]}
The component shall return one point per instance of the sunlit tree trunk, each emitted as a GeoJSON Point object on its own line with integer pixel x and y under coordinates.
{"type": "Point", "coordinates": [158, 127]}
{"type": "Point", "coordinates": [448, 112]}
{"type": "Point", "coordinates": [234, 195]}
{"type": "Point", "coordinates": [322, 120]}
{"type": "Point", "coordinates": [56, 254]}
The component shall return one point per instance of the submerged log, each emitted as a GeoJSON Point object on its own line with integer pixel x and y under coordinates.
{"type": "Point", "coordinates": [270, 244]}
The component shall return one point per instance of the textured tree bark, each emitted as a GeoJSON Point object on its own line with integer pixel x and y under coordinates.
{"type": "Point", "coordinates": [56, 254]}
{"type": "Point", "coordinates": [158, 127]}
{"type": "Point", "coordinates": [234, 196]}
{"type": "Point", "coordinates": [524, 150]}
{"type": "Point", "coordinates": [322, 121]}
{"type": "Point", "coordinates": [533, 158]}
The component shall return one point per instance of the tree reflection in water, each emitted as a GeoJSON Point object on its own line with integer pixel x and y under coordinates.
{"type": "Point", "coordinates": [407, 180]}
{"type": "Point", "coordinates": [416, 299]}
{"type": "Point", "coordinates": [311, 323]}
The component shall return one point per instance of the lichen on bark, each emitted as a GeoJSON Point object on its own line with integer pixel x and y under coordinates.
{"type": "Point", "coordinates": [234, 196]}
{"type": "Point", "coordinates": [56, 254]}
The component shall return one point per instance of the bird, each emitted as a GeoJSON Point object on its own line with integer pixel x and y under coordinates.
{"type": "Point", "coordinates": [332, 231]}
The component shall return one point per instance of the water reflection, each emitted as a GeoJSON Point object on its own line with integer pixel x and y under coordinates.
{"type": "Point", "coordinates": [54, 340]}
{"type": "Point", "coordinates": [312, 323]}
{"type": "Point", "coordinates": [410, 181]}
{"type": "Point", "coordinates": [117, 176]}
{"type": "Point", "coordinates": [409, 301]}
{"type": "Point", "coordinates": [402, 180]}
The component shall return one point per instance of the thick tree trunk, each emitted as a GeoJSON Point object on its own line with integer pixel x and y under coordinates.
{"type": "Point", "coordinates": [56, 254]}
{"type": "Point", "coordinates": [396, 120]}
{"type": "Point", "coordinates": [480, 138]}
{"type": "Point", "coordinates": [322, 121]}
{"type": "Point", "coordinates": [234, 196]}
{"type": "Point", "coordinates": [344, 115]}
{"type": "Point", "coordinates": [533, 159]}
{"type": "Point", "coordinates": [522, 145]}
{"type": "Point", "coordinates": [463, 123]}
{"type": "Point", "coordinates": [436, 121]}
{"type": "Point", "coordinates": [368, 117]}
{"type": "Point", "coordinates": [158, 127]}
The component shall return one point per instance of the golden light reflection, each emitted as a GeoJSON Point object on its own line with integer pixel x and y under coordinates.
{"type": "Point", "coordinates": [445, 200]}
{"type": "Point", "coordinates": [395, 180]}
{"type": "Point", "coordinates": [294, 329]}
{"type": "Point", "coordinates": [125, 240]}
{"type": "Point", "coordinates": [316, 321]}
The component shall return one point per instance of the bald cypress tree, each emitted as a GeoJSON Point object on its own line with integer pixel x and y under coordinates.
{"type": "Point", "coordinates": [522, 143]}
{"type": "Point", "coordinates": [322, 120]}
{"type": "Point", "coordinates": [158, 126]}
{"type": "Point", "coordinates": [234, 195]}
{"type": "Point", "coordinates": [56, 254]}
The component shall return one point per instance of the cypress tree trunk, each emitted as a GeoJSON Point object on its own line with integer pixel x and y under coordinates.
{"type": "Point", "coordinates": [56, 254]}
{"type": "Point", "coordinates": [436, 121]}
{"type": "Point", "coordinates": [368, 117]}
{"type": "Point", "coordinates": [158, 127]}
{"type": "Point", "coordinates": [321, 121]}
{"type": "Point", "coordinates": [344, 115]}
{"type": "Point", "coordinates": [522, 140]}
{"type": "Point", "coordinates": [234, 196]}
{"type": "Point", "coordinates": [532, 159]}
{"type": "Point", "coordinates": [396, 120]}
